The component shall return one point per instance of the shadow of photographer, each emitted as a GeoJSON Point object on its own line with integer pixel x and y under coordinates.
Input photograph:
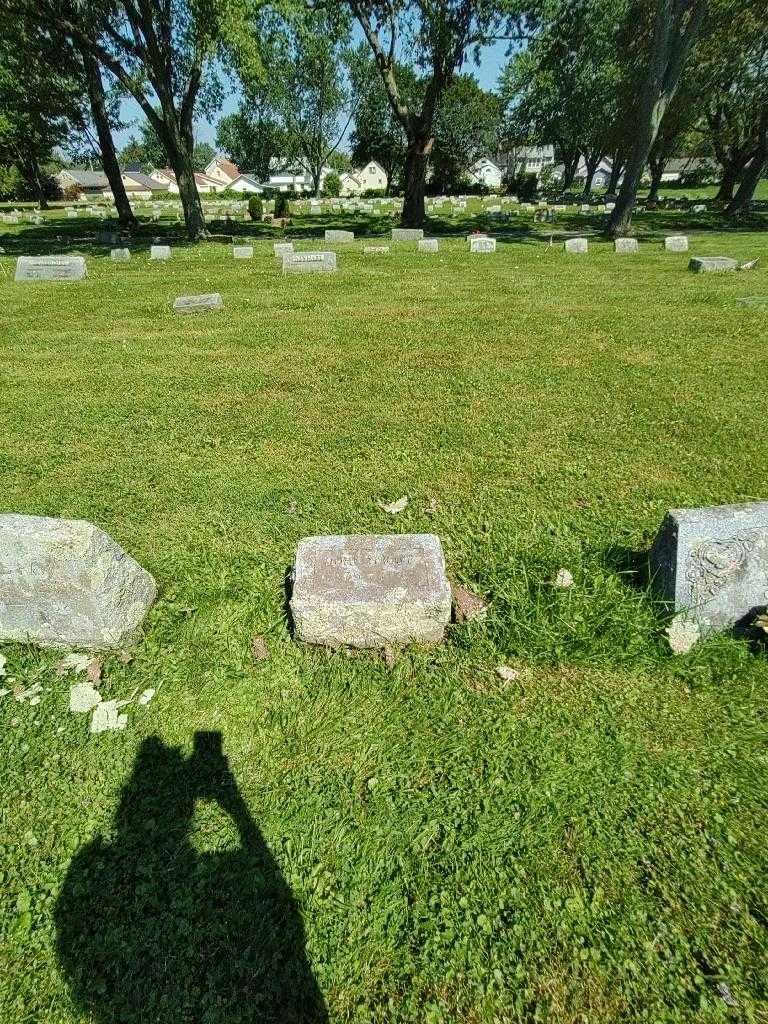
{"type": "Point", "coordinates": [149, 929]}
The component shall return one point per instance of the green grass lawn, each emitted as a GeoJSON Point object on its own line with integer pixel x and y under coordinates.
{"type": "Point", "coordinates": [422, 843]}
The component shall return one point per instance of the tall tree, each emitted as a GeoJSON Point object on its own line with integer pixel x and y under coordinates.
{"type": "Point", "coordinates": [163, 54]}
{"type": "Point", "coordinates": [676, 25]}
{"type": "Point", "coordinates": [252, 137]}
{"type": "Point", "coordinates": [441, 33]}
{"type": "Point", "coordinates": [467, 126]}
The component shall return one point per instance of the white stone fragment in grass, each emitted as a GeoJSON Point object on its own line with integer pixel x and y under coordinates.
{"type": "Point", "coordinates": [748, 265]}
{"type": "Point", "coordinates": [198, 303]}
{"type": "Point", "coordinates": [563, 579]}
{"type": "Point", "coordinates": [676, 243]}
{"type": "Point", "coordinates": [146, 696]}
{"type": "Point", "coordinates": [506, 673]}
{"type": "Point", "coordinates": [83, 698]}
{"type": "Point", "coordinates": [107, 718]}
{"type": "Point", "coordinates": [683, 634]}
{"type": "Point", "coordinates": [66, 583]}
{"type": "Point", "coordinates": [370, 591]}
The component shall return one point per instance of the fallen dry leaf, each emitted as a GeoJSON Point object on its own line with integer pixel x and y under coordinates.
{"type": "Point", "coordinates": [468, 607]}
{"type": "Point", "coordinates": [82, 698]}
{"type": "Point", "coordinates": [125, 657]}
{"type": "Point", "coordinates": [76, 663]}
{"type": "Point", "coordinates": [506, 673]}
{"type": "Point", "coordinates": [389, 658]}
{"type": "Point", "coordinates": [93, 672]}
{"type": "Point", "coordinates": [396, 506]}
{"type": "Point", "coordinates": [259, 650]}
{"type": "Point", "coordinates": [563, 579]}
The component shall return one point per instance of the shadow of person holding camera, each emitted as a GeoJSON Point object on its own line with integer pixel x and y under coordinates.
{"type": "Point", "coordinates": [150, 930]}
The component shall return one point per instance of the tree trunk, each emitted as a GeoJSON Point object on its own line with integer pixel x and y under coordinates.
{"type": "Point", "coordinates": [617, 166]}
{"type": "Point", "coordinates": [752, 172]}
{"type": "Point", "coordinates": [657, 170]}
{"type": "Point", "coordinates": [35, 178]}
{"type": "Point", "coordinates": [570, 166]}
{"type": "Point", "coordinates": [591, 169]}
{"type": "Point", "coordinates": [125, 216]}
{"type": "Point", "coordinates": [669, 48]}
{"type": "Point", "coordinates": [179, 145]}
{"type": "Point", "coordinates": [415, 178]}
{"type": "Point", "coordinates": [727, 183]}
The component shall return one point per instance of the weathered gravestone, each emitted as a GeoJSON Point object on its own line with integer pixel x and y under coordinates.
{"type": "Point", "coordinates": [160, 252]}
{"type": "Point", "coordinates": [50, 268]}
{"type": "Point", "coordinates": [281, 248]}
{"type": "Point", "coordinates": [66, 583]}
{"type": "Point", "coordinates": [676, 243]}
{"type": "Point", "coordinates": [576, 245]}
{"type": "Point", "coordinates": [120, 255]}
{"type": "Point", "coordinates": [625, 245]}
{"type": "Point", "coordinates": [699, 208]}
{"type": "Point", "coordinates": [107, 237]}
{"type": "Point", "coordinates": [242, 252]}
{"type": "Point", "coordinates": [309, 263]}
{"type": "Point", "coordinates": [407, 234]}
{"type": "Point", "coordinates": [482, 244]}
{"type": "Point", "coordinates": [711, 264]}
{"type": "Point", "coordinates": [753, 301]}
{"type": "Point", "coordinates": [198, 303]}
{"type": "Point", "coordinates": [370, 590]}
{"type": "Point", "coordinates": [332, 235]}
{"type": "Point", "coordinates": [712, 563]}
{"type": "Point", "coordinates": [429, 245]}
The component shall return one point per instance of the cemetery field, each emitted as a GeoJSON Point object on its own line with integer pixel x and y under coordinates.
{"type": "Point", "coordinates": [583, 843]}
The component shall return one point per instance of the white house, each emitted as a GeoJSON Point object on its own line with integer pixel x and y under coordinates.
{"type": "Point", "coordinates": [486, 172]}
{"type": "Point", "coordinates": [204, 184]}
{"type": "Point", "coordinates": [222, 170]}
{"type": "Point", "coordinates": [141, 186]}
{"type": "Point", "coordinates": [90, 183]}
{"type": "Point", "coordinates": [526, 160]}
{"type": "Point", "coordinates": [369, 178]}
{"type": "Point", "coordinates": [245, 183]}
{"type": "Point", "coordinates": [287, 177]}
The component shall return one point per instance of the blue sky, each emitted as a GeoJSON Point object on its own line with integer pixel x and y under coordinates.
{"type": "Point", "coordinates": [492, 60]}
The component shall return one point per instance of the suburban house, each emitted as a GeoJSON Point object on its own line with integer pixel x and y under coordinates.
{"type": "Point", "coordinates": [141, 186]}
{"type": "Point", "coordinates": [222, 170]}
{"type": "Point", "coordinates": [90, 183]}
{"type": "Point", "coordinates": [368, 178]}
{"type": "Point", "coordinates": [674, 169]}
{"type": "Point", "coordinates": [204, 184]}
{"type": "Point", "coordinates": [525, 160]}
{"type": "Point", "coordinates": [245, 183]}
{"type": "Point", "coordinates": [602, 176]}
{"type": "Point", "coordinates": [286, 177]}
{"type": "Point", "coordinates": [485, 172]}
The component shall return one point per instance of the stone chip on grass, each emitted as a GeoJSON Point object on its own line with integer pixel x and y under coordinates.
{"type": "Point", "coordinates": [563, 579]}
{"type": "Point", "coordinates": [467, 607]}
{"type": "Point", "coordinates": [107, 718]}
{"type": "Point", "coordinates": [507, 673]}
{"type": "Point", "coordinates": [83, 698]}
{"type": "Point", "coordinates": [259, 650]}
{"type": "Point", "coordinates": [683, 634]}
{"type": "Point", "coordinates": [394, 507]}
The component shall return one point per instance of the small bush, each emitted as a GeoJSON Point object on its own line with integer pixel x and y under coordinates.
{"type": "Point", "coordinates": [282, 209]}
{"type": "Point", "coordinates": [72, 193]}
{"type": "Point", "coordinates": [332, 185]}
{"type": "Point", "coordinates": [255, 208]}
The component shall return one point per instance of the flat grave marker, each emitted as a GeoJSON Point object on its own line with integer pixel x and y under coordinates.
{"type": "Point", "coordinates": [334, 235]}
{"type": "Point", "coordinates": [625, 245]}
{"type": "Point", "coordinates": [407, 234]}
{"type": "Point", "coordinates": [50, 268]}
{"type": "Point", "coordinates": [676, 243]}
{"type": "Point", "coordinates": [160, 252]}
{"type": "Point", "coordinates": [481, 244]}
{"type": "Point", "coordinates": [428, 245]}
{"type": "Point", "coordinates": [576, 245]}
{"type": "Point", "coordinates": [242, 252]}
{"type": "Point", "coordinates": [309, 263]}
{"type": "Point", "coordinates": [120, 255]}
{"type": "Point", "coordinates": [198, 303]}
{"type": "Point", "coordinates": [712, 264]}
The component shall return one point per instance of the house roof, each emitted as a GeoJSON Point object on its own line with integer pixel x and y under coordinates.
{"type": "Point", "coordinates": [200, 178]}
{"type": "Point", "coordinates": [230, 169]}
{"type": "Point", "coordinates": [144, 181]}
{"type": "Point", "coordinates": [250, 179]}
{"type": "Point", "coordinates": [688, 163]}
{"type": "Point", "coordinates": [88, 179]}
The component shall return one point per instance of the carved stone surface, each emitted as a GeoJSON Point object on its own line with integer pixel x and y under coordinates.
{"type": "Point", "coordinates": [50, 268]}
{"type": "Point", "coordinates": [281, 248]}
{"type": "Point", "coordinates": [242, 252]}
{"type": "Point", "coordinates": [407, 234]}
{"type": "Point", "coordinates": [579, 245]}
{"type": "Point", "coordinates": [712, 563]}
{"type": "Point", "coordinates": [482, 244]}
{"type": "Point", "coordinates": [198, 303]}
{"type": "Point", "coordinates": [309, 263]}
{"type": "Point", "coordinates": [625, 245]}
{"type": "Point", "coordinates": [428, 245]}
{"type": "Point", "coordinates": [711, 264]}
{"type": "Point", "coordinates": [120, 255]}
{"type": "Point", "coordinates": [372, 250]}
{"type": "Point", "coordinates": [334, 235]}
{"type": "Point", "coordinates": [160, 252]}
{"type": "Point", "coordinates": [370, 590]}
{"type": "Point", "coordinates": [676, 243]}
{"type": "Point", "coordinates": [66, 583]}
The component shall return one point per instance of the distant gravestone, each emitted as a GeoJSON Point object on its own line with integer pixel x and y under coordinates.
{"type": "Point", "coordinates": [160, 252]}
{"type": "Point", "coordinates": [66, 583]}
{"type": "Point", "coordinates": [676, 243]}
{"type": "Point", "coordinates": [753, 301]}
{"type": "Point", "coordinates": [50, 268]}
{"type": "Point", "coordinates": [309, 263]}
{"type": "Point", "coordinates": [712, 563]}
{"type": "Point", "coordinates": [407, 234]}
{"type": "Point", "coordinates": [107, 238]}
{"type": "Point", "coordinates": [120, 255]}
{"type": "Point", "coordinates": [711, 264]}
{"type": "Point", "coordinates": [482, 244]}
{"type": "Point", "coordinates": [625, 245]}
{"type": "Point", "coordinates": [198, 303]}
{"type": "Point", "coordinates": [699, 208]}
{"type": "Point", "coordinates": [333, 235]}
{"type": "Point", "coordinates": [71, 214]}
{"type": "Point", "coordinates": [609, 207]}
{"type": "Point", "coordinates": [429, 245]}
{"type": "Point", "coordinates": [578, 245]}
{"type": "Point", "coordinates": [242, 252]}
{"type": "Point", "coordinates": [370, 590]}
{"type": "Point", "coordinates": [375, 249]}
{"type": "Point", "coordinates": [281, 248]}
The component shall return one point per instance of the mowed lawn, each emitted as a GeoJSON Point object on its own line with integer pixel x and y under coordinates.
{"type": "Point", "coordinates": [421, 843]}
